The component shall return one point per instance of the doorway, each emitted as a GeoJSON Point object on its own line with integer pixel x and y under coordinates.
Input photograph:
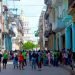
{"type": "Point", "coordinates": [63, 41]}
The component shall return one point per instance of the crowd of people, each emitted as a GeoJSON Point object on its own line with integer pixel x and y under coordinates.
{"type": "Point", "coordinates": [18, 58]}
{"type": "Point", "coordinates": [48, 58]}
{"type": "Point", "coordinates": [37, 59]}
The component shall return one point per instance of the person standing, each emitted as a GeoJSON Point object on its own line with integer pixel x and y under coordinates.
{"type": "Point", "coordinates": [15, 61]}
{"type": "Point", "coordinates": [30, 56]}
{"type": "Point", "coordinates": [48, 56]}
{"type": "Point", "coordinates": [21, 61]}
{"type": "Point", "coordinates": [5, 59]}
{"type": "Point", "coordinates": [0, 59]}
{"type": "Point", "coordinates": [33, 64]}
{"type": "Point", "coordinates": [25, 57]}
{"type": "Point", "coordinates": [39, 61]}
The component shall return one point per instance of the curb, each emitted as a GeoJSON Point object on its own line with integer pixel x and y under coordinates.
{"type": "Point", "coordinates": [72, 72]}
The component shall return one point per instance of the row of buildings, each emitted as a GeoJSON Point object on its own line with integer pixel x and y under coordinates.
{"type": "Point", "coordinates": [57, 25]}
{"type": "Point", "coordinates": [12, 28]}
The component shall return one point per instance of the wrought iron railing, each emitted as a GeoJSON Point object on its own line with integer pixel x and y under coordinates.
{"type": "Point", "coordinates": [48, 2]}
{"type": "Point", "coordinates": [70, 2]}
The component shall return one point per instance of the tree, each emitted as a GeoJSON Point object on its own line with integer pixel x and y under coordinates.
{"type": "Point", "coordinates": [28, 45]}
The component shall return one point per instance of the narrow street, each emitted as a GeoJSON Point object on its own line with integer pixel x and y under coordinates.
{"type": "Point", "coordinates": [28, 71]}
{"type": "Point", "coordinates": [40, 31]}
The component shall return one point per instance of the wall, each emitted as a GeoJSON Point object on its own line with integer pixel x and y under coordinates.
{"type": "Point", "coordinates": [73, 36]}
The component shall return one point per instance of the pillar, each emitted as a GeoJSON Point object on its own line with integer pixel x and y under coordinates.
{"type": "Point", "coordinates": [60, 42]}
{"type": "Point", "coordinates": [8, 42]}
{"type": "Point", "coordinates": [54, 43]}
{"type": "Point", "coordinates": [73, 37]}
{"type": "Point", "coordinates": [68, 38]}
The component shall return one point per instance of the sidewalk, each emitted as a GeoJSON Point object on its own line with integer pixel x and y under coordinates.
{"type": "Point", "coordinates": [67, 67]}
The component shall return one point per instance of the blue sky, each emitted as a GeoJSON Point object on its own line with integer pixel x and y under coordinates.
{"type": "Point", "coordinates": [32, 10]}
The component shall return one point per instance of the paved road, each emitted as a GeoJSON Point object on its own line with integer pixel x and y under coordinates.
{"type": "Point", "coordinates": [28, 71]}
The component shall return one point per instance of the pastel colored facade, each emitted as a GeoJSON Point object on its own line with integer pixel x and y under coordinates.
{"type": "Point", "coordinates": [60, 18]}
{"type": "Point", "coordinates": [41, 29]}
{"type": "Point", "coordinates": [71, 10]}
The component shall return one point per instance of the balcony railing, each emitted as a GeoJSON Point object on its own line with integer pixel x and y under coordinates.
{"type": "Point", "coordinates": [71, 3]}
{"type": "Point", "coordinates": [56, 2]}
{"type": "Point", "coordinates": [47, 2]}
{"type": "Point", "coordinates": [11, 32]}
{"type": "Point", "coordinates": [48, 30]}
{"type": "Point", "coordinates": [47, 33]}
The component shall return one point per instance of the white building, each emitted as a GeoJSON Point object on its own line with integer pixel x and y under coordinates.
{"type": "Point", "coordinates": [26, 29]}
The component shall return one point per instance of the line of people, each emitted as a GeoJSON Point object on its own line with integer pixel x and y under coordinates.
{"type": "Point", "coordinates": [36, 58]}
{"type": "Point", "coordinates": [40, 58]}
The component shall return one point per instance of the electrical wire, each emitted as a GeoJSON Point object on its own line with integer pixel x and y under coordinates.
{"type": "Point", "coordinates": [14, 8]}
{"type": "Point", "coordinates": [28, 5]}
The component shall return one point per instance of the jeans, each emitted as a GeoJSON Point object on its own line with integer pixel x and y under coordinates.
{"type": "Point", "coordinates": [33, 63]}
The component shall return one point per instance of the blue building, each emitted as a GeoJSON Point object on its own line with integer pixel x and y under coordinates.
{"type": "Point", "coordinates": [62, 18]}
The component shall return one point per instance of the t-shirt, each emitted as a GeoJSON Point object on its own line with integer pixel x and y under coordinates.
{"type": "Point", "coordinates": [21, 58]}
{"type": "Point", "coordinates": [5, 56]}
{"type": "Point", "coordinates": [16, 58]}
{"type": "Point", "coordinates": [24, 55]}
{"type": "Point", "coordinates": [0, 56]}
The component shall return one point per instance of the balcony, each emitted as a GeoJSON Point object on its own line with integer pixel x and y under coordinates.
{"type": "Point", "coordinates": [56, 2]}
{"type": "Point", "coordinates": [46, 34]}
{"type": "Point", "coordinates": [71, 3]}
{"type": "Point", "coordinates": [46, 15]}
{"type": "Point", "coordinates": [58, 25]}
{"type": "Point", "coordinates": [11, 33]}
{"type": "Point", "coordinates": [48, 2]}
{"type": "Point", "coordinates": [71, 7]}
{"type": "Point", "coordinates": [61, 23]}
{"type": "Point", "coordinates": [48, 30]}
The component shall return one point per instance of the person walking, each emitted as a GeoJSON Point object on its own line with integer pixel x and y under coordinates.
{"type": "Point", "coordinates": [5, 59]}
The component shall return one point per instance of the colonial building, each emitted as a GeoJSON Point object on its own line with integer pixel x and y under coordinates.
{"type": "Point", "coordinates": [59, 23]}
{"type": "Point", "coordinates": [71, 28]}
{"type": "Point", "coordinates": [42, 27]}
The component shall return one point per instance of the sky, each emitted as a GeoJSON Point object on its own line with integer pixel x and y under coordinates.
{"type": "Point", "coordinates": [31, 9]}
